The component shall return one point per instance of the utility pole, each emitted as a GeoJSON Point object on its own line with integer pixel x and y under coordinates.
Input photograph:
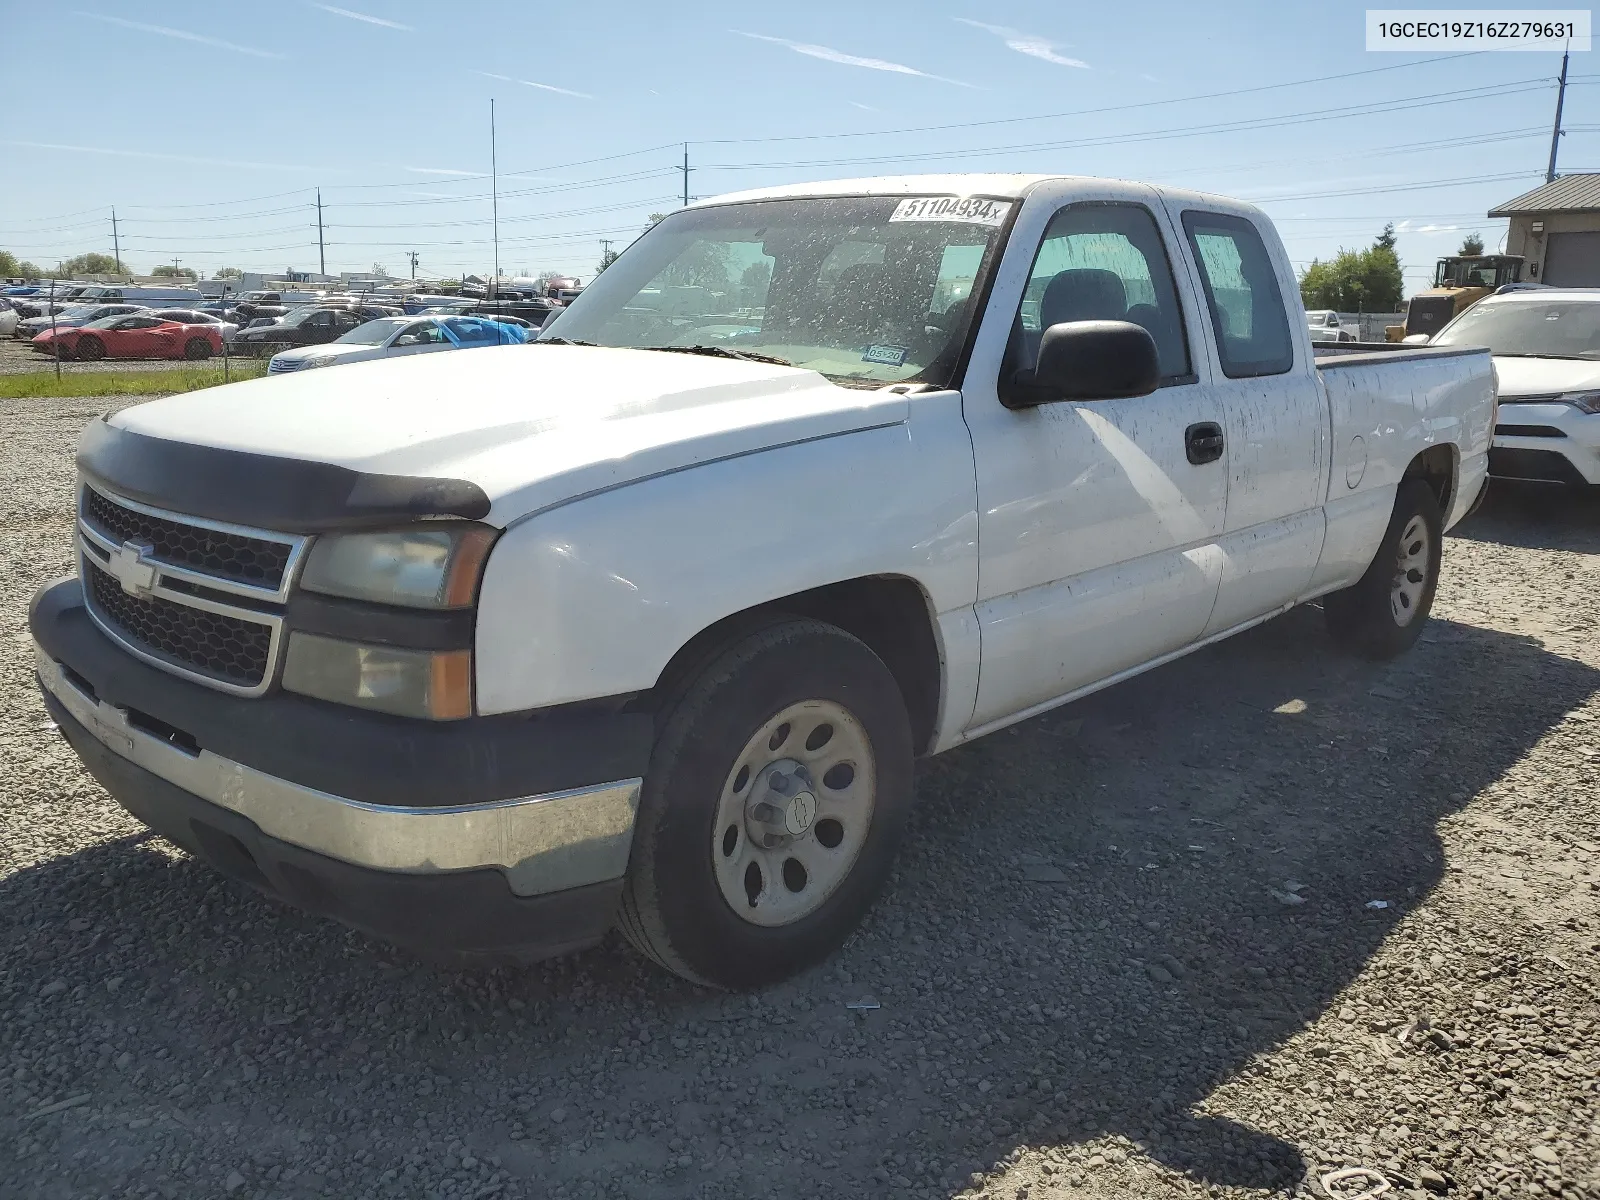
{"type": "Point", "coordinates": [322, 255]}
{"type": "Point", "coordinates": [685, 170]}
{"type": "Point", "coordinates": [116, 245]}
{"type": "Point", "coordinates": [494, 198]}
{"type": "Point", "coordinates": [413, 264]}
{"type": "Point", "coordinates": [1555, 134]}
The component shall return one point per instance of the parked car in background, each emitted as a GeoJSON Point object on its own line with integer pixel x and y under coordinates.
{"type": "Point", "coordinates": [9, 317]}
{"type": "Point", "coordinates": [536, 311]}
{"type": "Point", "coordinates": [397, 337]}
{"type": "Point", "coordinates": [72, 318]}
{"type": "Point", "coordinates": [308, 326]}
{"type": "Point", "coordinates": [149, 297]}
{"type": "Point", "coordinates": [1546, 348]}
{"type": "Point", "coordinates": [1325, 327]}
{"type": "Point", "coordinates": [197, 316]}
{"type": "Point", "coordinates": [141, 335]}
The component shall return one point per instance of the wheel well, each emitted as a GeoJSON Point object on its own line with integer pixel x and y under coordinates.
{"type": "Point", "coordinates": [1436, 466]}
{"type": "Point", "coordinates": [888, 612]}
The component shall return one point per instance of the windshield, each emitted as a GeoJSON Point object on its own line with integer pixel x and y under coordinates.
{"type": "Point", "coordinates": [300, 316]}
{"type": "Point", "coordinates": [1553, 329]}
{"type": "Point", "coordinates": [105, 322]}
{"type": "Point", "coordinates": [373, 333]}
{"type": "Point", "coordinates": [867, 290]}
{"type": "Point", "coordinates": [1475, 272]}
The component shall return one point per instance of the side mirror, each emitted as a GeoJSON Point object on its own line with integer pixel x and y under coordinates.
{"type": "Point", "coordinates": [1415, 339]}
{"type": "Point", "coordinates": [1089, 360]}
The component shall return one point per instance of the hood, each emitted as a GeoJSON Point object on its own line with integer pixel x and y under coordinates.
{"type": "Point", "coordinates": [532, 425]}
{"type": "Point", "coordinates": [1544, 376]}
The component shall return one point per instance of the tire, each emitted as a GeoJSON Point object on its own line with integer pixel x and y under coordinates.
{"type": "Point", "coordinates": [1382, 615]}
{"type": "Point", "coordinates": [196, 349]}
{"type": "Point", "coordinates": [90, 349]}
{"type": "Point", "coordinates": [690, 901]}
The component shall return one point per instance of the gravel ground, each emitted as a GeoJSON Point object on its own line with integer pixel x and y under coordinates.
{"type": "Point", "coordinates": [1130, 951]}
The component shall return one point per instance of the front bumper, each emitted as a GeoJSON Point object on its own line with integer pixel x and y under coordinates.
{"type": "Point", "coordinates": [519, 869]}
{"type": "Point", "coordinates": [1552, 443]}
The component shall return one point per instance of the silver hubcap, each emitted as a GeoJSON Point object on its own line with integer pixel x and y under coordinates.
{"type": "Point", "coordinates": [1411, 572]}
{"type": "Point", "coordinates": [794, 813]}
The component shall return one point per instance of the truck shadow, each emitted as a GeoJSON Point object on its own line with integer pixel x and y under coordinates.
{"type": "Point", "coordinates": [1082, 938]}
{"type": "Point", "coordinates": [1536, 516]}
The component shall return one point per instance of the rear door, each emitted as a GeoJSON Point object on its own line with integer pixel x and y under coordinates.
{"type": "Point", "coordinates": [1098, 520]}
{"type": "Point", "coordinates": [1275, 414]}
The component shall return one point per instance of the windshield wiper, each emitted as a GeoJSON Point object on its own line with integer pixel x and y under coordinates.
{"type": "Point", "coordinates": [560, 341]}
{"type": "Point", "coordinates": [723, 352]}
{"type": "Point", "coordinates": [1559, 357]}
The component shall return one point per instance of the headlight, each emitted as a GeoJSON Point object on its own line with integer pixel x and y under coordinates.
{"type": "Point", "coordinates": [426, 566]}
{"type": "Point", "coordinates": [1584, 402]}
{"type": "Point", "coordinates": [324, 361]}
{"type": "Point", "coordinates": [432, 684]}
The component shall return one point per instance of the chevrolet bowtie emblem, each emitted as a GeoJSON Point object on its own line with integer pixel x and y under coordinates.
{"type": "Point", "coordinates": [134, 571]}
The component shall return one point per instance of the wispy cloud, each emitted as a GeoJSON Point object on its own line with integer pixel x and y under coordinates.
{"type": "Point", "coordinates": [862, 107]}
{"type": "Point", "coordinates": [182, 35]}
{"type": "Point", "coordinates": [151, 154]}
{"type": "Point", "coordinates": [1027, 43]}
{"type": "Point", "coordinates": [440, 171]}
{"type": "Point", "coordinates": [357, 16]}
{"type": "Point", "coordinates": [543, 87]}
{"type": "Point", "coordinates": [829, 54]}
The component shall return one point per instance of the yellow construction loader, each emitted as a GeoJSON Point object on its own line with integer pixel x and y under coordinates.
{"type": "Point", "coordinates": [1459, 282]}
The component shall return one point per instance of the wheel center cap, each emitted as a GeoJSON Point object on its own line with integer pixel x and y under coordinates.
{"type": "Point", "coordinates": [799, 813]}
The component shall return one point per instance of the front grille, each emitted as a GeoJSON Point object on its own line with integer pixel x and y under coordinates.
{"type": "Point", "coordinates": [1429, 314]}
{"type": "Point", "coordinates": [230, 556]}
{"type": "Point", "coordinates": [278, 367]}
{"type": "Point", "coordinates": [1539, 431]}
{"type": "Point", "coordinates": [1544, 466]}
{"type": "Point", "coordinates": [226, 648]}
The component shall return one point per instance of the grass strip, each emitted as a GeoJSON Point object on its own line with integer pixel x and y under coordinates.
{"type": "Point", "coordinates": [123, 383]}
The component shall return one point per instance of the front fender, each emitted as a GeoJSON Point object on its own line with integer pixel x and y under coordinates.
{"type": "Point", "coordinates": [594, 597]}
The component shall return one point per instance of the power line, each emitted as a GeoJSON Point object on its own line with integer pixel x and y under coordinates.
{"type": "Point", "coordinates": [1085, 112]}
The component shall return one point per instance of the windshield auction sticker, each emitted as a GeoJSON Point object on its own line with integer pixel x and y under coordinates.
{"type": "Point", "coordinates": [1554, 30]}
{"type": "Point", "coordinates": [968, 210]}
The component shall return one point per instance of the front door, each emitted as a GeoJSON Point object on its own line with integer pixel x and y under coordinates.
{"type": "Point", "coordinates": [1098, 520]}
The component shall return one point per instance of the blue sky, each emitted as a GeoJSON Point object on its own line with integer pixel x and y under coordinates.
{"type": "Point", "coordinates": [208, 125]}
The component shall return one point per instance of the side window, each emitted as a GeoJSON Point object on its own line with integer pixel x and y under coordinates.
{"type": "Point", "coordinates": [1106, 262]}
{"type": "Point", "coordinates": [417, 335]}
{"type": "Point", "coordinates": [1247, 310]}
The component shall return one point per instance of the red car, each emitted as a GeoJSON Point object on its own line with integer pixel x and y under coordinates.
{"type": "Point", "coordinates": [139, 335]}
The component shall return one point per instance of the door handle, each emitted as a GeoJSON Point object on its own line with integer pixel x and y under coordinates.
{"type": "Point", "coordinates": [1202, 442]}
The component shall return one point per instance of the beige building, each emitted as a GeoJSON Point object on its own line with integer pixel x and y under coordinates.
{"type": "Point", "coordinates": [1556, 227]}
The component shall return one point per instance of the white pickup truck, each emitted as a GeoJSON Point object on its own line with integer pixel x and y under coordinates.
{"type": "Point", "coordinates": [643, 623]}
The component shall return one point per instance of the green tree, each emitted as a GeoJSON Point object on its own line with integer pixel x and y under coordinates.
{"type": "Point", "coordinates": [10, 267]}
{"type": "Point", "coordinates": [606, 259]}
{"type": "Point", "coordinates": [228, 273]}
{"type": "Point", "coordinates": [168, 271]}
{"type": "Point", "coordinates": [30, 270]}
{"type": "Point", "coordinates": [655, 219]}
{"type": "Point", "coordinates": [1471, 244]}
{"type": "Point", "coordinates": [90, 264]}
{"type": "Point", "coordinates": [1356, 280]}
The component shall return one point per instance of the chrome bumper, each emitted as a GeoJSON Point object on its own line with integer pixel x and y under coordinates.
{"type": "Point", "coordinates": [543, 844]}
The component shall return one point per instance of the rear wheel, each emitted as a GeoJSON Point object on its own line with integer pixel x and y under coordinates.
{"type": "Point", "coordinates": [1382, 615]}
{"type": "Point", "coordinates": [91, 349]}
{"type": "Point", "coordinates": [777, 795]}
{"type": "Point", "coordinates": [196, 349]}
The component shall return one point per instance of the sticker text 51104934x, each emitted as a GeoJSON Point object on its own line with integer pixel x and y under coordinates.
{"type": "Point", "coordinates": [969, 210]}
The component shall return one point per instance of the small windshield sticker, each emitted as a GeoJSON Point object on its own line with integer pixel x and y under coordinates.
{"type": "Point", "coordinates": [888, 356]}
{"type": "Point", "coordinates": [969, 210]}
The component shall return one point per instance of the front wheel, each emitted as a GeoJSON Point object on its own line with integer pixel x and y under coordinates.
{"type": "Point", "coordinates": [1382, 614]}
{"type": "Point", "coordinates": [91, 349]}
{"type": "Point", "coordinates": [777, 795]}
